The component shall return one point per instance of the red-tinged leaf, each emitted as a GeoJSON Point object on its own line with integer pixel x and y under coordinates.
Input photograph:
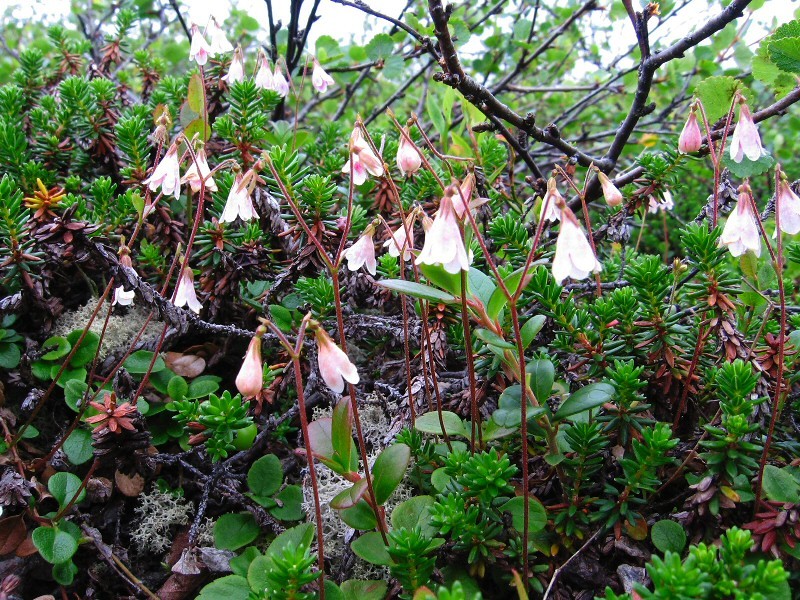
{"type": "Point", "coordinates": [342, 434]}
{"type": "Point", "coordinates": [320, 438]}
{"type": "Point", "coordinates": [389, 470]}
{"type": "Point", "coordinates": [350, 496]}
{"type": "Point", "coordinates": [12, 534]}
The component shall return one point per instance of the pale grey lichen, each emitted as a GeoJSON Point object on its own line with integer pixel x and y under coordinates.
{"type": "Point", "coordinates": [157, 513]}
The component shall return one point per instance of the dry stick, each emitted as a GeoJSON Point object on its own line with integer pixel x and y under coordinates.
{"type": "Point", "coordinates": [63, 367]}
{"type": "Point", "coordinates": [294, 353]}
{"type": "Point", "coordinates": [560, 569]}
{"type": "Point", "coordinates": [778, 266]}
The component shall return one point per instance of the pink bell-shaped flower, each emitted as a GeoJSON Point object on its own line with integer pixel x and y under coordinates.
{"type": "Point", "coordinates": [236, 70]}
{"type": "Point", "coordinates": [691, 137]}
{"type": "Point", "coordinates": [320, 78]}
{"type": "Point", "coordinates": [122, 297]}
{"type": "Point", "coordinates": [408, 159]}
{"type": "Point", "coordinates": [610, 192]}
{"type": "Point", "coordinates": [334, 366]}
{"type": "Point", "coordinates": [194, 178]}
{"type": "Point", "coordinates": [787, 207]}
{"type": "Point", "coordinates": [666, 203]}
{"type": "Point", "coordinates": [239, 203]}
{"type": "Point", "coordinates": [219, 42]}
{"type": "Point", "coordinates": [574, 256]}
{"type": "Point", "coordinates": [362, 252]}
{"type": "Point", "coordinates": [399, 241]}
{"type": "Point", "coordinates": [741, 230]}
{"type": "Point", "coordinates": [363, 159]}
{"type": "Point", "coordinates": [462, 201]}
{"type": "Point", "coordinates": [166, 174]}
{"type": "Point", "coordinates": [745, 140]}
{"type": "Point", "coordinates": [551, 201]}
{"type": "Point", "coordinates": [250, 379]}
{"type": "Point", "coordinates": [200, 49]}
{"type": "Point", "coordinates": [185, 294]}
{"type": "Point", "coordinates": [443, 242]}
{"type": "Point", "coordinates": [279, 83]}
{"type": "Point", "coordinates": [264, 79]}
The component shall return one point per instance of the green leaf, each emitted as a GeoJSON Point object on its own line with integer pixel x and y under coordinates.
{"type": "Point", "coordinates": [240, 564]}
{"type": "Point", "coordinates": [493, 339]}
{"type": "Point", "coordinates": [479, 284]}
{"type": "Point", "coordinates": [86, 351]}
{"type": "Point", "coordinates": [747, 168]}
{"type": "Point", "coordinates": [361, 516]}
{"type": "Point", "coordinates": [433, 109]}
{"type": "Point", "coordinates": [177, 388]}
{"type": "Point", "coordinates": [235, 530]}
{"type": "Point", "coordinates": [779, 485]}
{"type": "Point", "coordinates": [265, 477]}
{"type": "Point", "coordinates": [67, 375]}
{"type": "Point", "coordinates": [668, 536]}
{"type": "Point", "coordinates": [370, 548]}
{"type": "Point", "coordinates": [417, 290]}
{"type": "Point", "coordinates": [281, 316]}
{"type": "Point", "coordinates": [203, 386]}
{"type": "Point", "coordinates": [74, 392]}
{"type": "Point", "coordinates": [139, 362]}
{"type": "Point", "coordinates": [414, 512]}
{"type": "Point", "coordinates": [60, 347]}
{"type": "Point", "coordinates": [531, 329]}
{"type": "Point", "coordinates": [389, 470]}
{"type": "Point", "coordinates": [785, 54]}
{"type": "Point", "coordinates": [350, 496]}
{"type": "Point", "coordinates": [380, 47]}
{"type": "Point", "coordinates": [64, 573]}
{"type": "Point", "coordinates": [63, 486]}
{"type": "Point", "coordinates": [257, 572]}
{"type": "Point", "coordinates": [429, 423]}
{"type": "Point", "coordinates": [9, 356]}
{"type": "Point", "coordinates": [498, 299]}
{"type": "Point", "coordinates": [436, 275]}
{"type": "Point", "coordinates": [537, 515]}
{"type": "Point", "coordinates": [230, 587]}
{"type": "Point", "coordinates": [354, 589]}
{"type": "Point", "coordinates": [586, 398]}
{"type": "Point", "coordinates": [78, 446]}
{"type": "Point", "coordinates": [54, 546]}
{"type": "Point", "coordinates": [716, 94]}
{"type": "Point", "coordinates": [291, 497]}
{"type": "Point", "coordinates": [543, 374]}
{"type": "Point", "coordinates": [299, 536]}
{"type": "Point", "coordinates": [344, 449]}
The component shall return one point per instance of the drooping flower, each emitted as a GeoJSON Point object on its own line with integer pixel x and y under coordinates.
{"type": "Point", "coordinates": [263, 78]}
{"type": "Point", "coordinates": [745, 140]}
{"type": "Point", "coordinates": [185, 294]}
{"type": "Point", "coordinates": [787, 206]}
{"type": "Point", "coordinates": [691, 138]}
{"type": "Point", "coordinates": [552, 200]}
{"type": "Point", "coordinates": [363, 158]}
{"type": "Point", "coordinates": [239, 203]}
{"type": "Point", "coordinates": [362, 253]}
{"type": "Point", "coordinates": [462, 202]}
{"type": "Point", "coordinates": [279, 83]}
{"type": "Point", "coordinates": [219, 42]}
{"type": "Point", "coordinates": [122, 297]}
{"type": "Point", "coordinates": [399, 241]}
{"type": "Point", "coordinates": [250, 379]}
{"type": "Point", "coordinates": [236, 70]}
{"type": "Point", "coordinates": [655, 205]}
{"type": "Point", "coordinates": [194, 178]}
{"type": "Point", "coordinates": [574, 256]}
{"type": "Point", "coordinates": [200, 49]}
{"type": "Point", "coordinates": [334, 366]}
{"type": "Point", "coordinates": [167, 174]}
{"type": "Point", "coordinates": [741, 230]}
{"type": "Point", "coordinates": [408, 159]}
{"type": "Point", "coordinates": [610, 192]}
{"type": "Point", "coordinates": [443, 242]}
{"type": "Point", "coordinates": [320, 78]}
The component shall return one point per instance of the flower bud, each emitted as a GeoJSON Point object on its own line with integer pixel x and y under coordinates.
{"type": "Point", "coordinates": [691, 138]}
{"type": "Point", "coordinates": [250, 379]}
{"type": "Point", "coordinates": [610, 192]}
{"type": "Point", "coordinates": [408, 158]}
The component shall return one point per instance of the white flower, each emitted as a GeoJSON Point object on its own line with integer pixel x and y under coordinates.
{"type": "Point", "coordinates": [236, 70]}
{"type": "Point", "coordinates": [263, 78]}
{"type": "Point", "coordinates": [200, 49]}
{"type": "Point", "coordinates": [279, 83]}
{"type": "Point", "coordinates": [334, 365]}
{"type": "Point", "coordinates": [319, 78]}
{"type": "Point", "coordinates": [398, 240]}
{"type": "Point", "coordinates": [745, 140]}
{"type": "Point", "coordinates": [408, 159]}
{"type": "Point", "coordinates": [610, 192]}
{"type": "Point", "coordinates": [362, 253]}
{"type": "Point", "coordinates": [166, 174]}
{"type": "Point", "coordinates": [363, 158]}
{"type": "Point", "coordinates": [239, 203]}
{"type": "Point", "coordinates": [219, 43]}
{"type": "Point", "coordinates": [122, 297]}
{"type": "Point", "coordinates": [574, 257]}
{"type": "Point", "coordinates": [193, 178]}
{"type": "Point", "coordinates": [551, 202]}
{"type": "Point", "coordinates": [250, 379]}
{"type": "Point", "coordinates": [654, 205]}
{"type": "Point", "coordinates": [185, 294]}
{"type": "Point", "coordinates": [787, 206]}
{"type": "Point", "coordinates": [741, 230]}
{"type": "Point", "coordinates": [443, 242]}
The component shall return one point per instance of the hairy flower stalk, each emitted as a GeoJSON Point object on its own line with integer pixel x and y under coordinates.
{"type": "Point", "coordinates": [200, 49]}
{"type": "Point", "coordinates": [236, 70]}
{"type": "Point", "coordinates": [741, 230]}
{"type": "Point", "coordinates": [167, 174]}
{"type": "Point", "coordinates": [443, 242]}
{"type": "Point", "coordinates": [199, 171]}
{"type": "Point", "coordinates": [574, 256]}
{"type": "Point", "coordinates": [239, 203]}
{"type": "Point", "coordinates": [185, 294]}
{"type": "Point", "coordinates": [745, 140]}
{"type": "Point", "coordinates": [787, 205]}
{"type": "Point", "coordinates": [408, 159]}
{"type": "Point", "coordinates": [334, 365]}
{"type": "Point", "coordinates": [320, 78]}
{"type": "Point", "coordinates": [691, 138]}
{"type": "Point", "coordinates": [362, 252]}
{"type": "Point", "coordinates": [250, 379]}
